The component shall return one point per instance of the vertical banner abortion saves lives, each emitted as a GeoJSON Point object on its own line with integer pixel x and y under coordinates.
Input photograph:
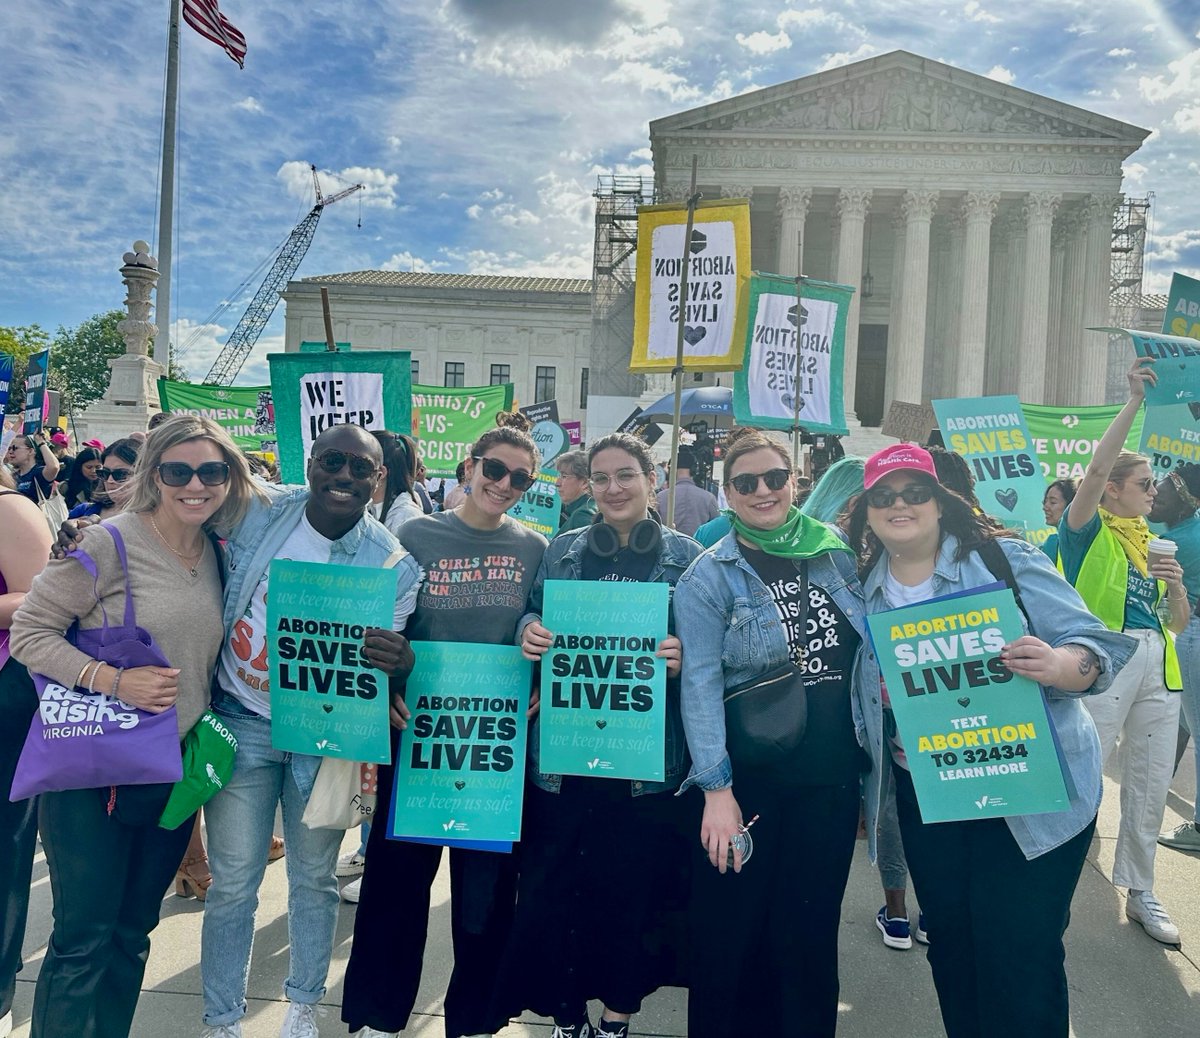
{"type": "Point", "coordinates": [313, 392]}
{"type": "Point", "coordinates": [603, 695]}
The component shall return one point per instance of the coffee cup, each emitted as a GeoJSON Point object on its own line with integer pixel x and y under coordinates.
{"type": "Point", "coordinates": [1160, 550]}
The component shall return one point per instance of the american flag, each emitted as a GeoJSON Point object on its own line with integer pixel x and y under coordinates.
{"type": "Point", "coordinates": [206, 18]}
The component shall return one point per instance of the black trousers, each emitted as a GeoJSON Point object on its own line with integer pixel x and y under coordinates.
{"type": "Point", "coordinates": [392, 922]}
{"type": "Point", "coordinates": [765, 941]}
{"type": "Point", "coordinates": [108, 880]}
{"type": "Point", "coordinates": [995, 920]}
{"type": "Point", "coordinates": [18, 826]}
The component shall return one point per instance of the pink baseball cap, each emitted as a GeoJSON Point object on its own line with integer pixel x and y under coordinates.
{"type": "Point", "coordinates": [94, 443]}
{"type": "Point", "coordinates": [59, 438]}
{"type": "Point", "coordinates": [897, 458]}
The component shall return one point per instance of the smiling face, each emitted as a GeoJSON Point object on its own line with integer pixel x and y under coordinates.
{"type": "Point", "coordinates": [1053, 506]}
{"type": "Point", "coordinates": [20, 456]}
{"type": "Point", "coordinates": [904, 529]}
{"type": "Point", "coordinates": [194, 503]}
{"type": "Point", "coordinates": [489, 499]}
{"type": "Point", "coordinates": [620, 506]}
{"type": "Point", "coordinates": [1134, 495]}
{"type": "Point", "coordinates": [763, 508]}
{"type": "Point", "coordinates": [338, 499]}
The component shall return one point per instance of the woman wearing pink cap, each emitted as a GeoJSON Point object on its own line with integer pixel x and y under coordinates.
{"type": "Point", "coordinates": [918, 541]}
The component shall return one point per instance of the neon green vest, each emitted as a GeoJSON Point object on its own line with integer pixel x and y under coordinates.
{"type": "Point", "coordinates": [1101, 585]}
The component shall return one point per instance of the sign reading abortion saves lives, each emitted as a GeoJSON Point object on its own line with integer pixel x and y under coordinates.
{"type": "Point", "coordinates": [603, 705]}
{"type": "Point", "coordinates": [977, 736]}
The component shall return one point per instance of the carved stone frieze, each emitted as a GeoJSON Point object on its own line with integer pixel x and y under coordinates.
{"type": "Point", "coordinates": [737, 191]}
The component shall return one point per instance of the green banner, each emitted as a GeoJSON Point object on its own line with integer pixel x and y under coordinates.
{"type": "Point", "coordinates": [1066, 437]}
{"type": "Point", "coordinates": [793, 354]}
{"type": "Point", "coordinates": [245, 412]}
{"type": "Point", "coordinates": [460, 767]}
{"type": "Point", "coordinates": [449, 421]}
{"type": "Point", "coordinates": [977, 737]}
{"type": "Point", "coordinates": [990, 433]}
{"type": "Point", "coordinates": [325, 698]}
{"type": "Point", "coordinates": [1171, 434]}
{"type": "Point", "coordinates": [603, 696]}
{"type": "Point", "coordinates": [316, 391]}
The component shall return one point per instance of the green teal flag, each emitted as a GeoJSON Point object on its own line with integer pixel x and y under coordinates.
{"type": "Point", "coordinates": [977, 737]}
{"type": "Point", "coordinates": [325, 698]}
{"type": "Point", "coordinates": [603, 698]}
{"type": "Point", "coordinates": [1171, 433]}
{"type": "Point", "coordinates": [793, 350]}
{"type": "Point", "coordinates": [1065, 438]}
{"type": "Point", "coordinates": [247, 413]}
{"type": "Point", "coordinates": [448, 421]}
{"type": "Point", "coordinates": [990, 432]}
{"type": "Point", "coordinates": [313, 392]}
{"type": "Point", "coordinates": [460, 766]}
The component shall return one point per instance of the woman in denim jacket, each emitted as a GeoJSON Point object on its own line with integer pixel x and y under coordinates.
{"type": "Point", "coordinates": [996, 892]}
{"type": "Point", "coordinates": [779, 587]}
{"type": "Point", "coordinates": [601, 857]}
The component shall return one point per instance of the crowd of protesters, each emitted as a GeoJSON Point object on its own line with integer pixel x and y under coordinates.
{"type": "Point", "coordinates": [617, 887]}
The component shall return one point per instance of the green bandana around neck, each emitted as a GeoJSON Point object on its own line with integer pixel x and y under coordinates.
{"type": "Point", "coordinates": [800, 536]}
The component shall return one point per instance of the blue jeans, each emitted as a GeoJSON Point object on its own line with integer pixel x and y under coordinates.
{"type": "Point", "coordinates": [240, 820]}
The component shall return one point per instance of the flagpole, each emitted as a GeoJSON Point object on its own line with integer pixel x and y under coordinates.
{"type": "Point", "coordinates": [678, 371]}
{"type": "Point", "coordinates": [166, 209]}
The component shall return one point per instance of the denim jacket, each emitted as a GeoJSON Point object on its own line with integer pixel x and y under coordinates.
{"type": "Point", "coordinates": [1059, 617]}
{"type": "Point", "coordinates": [732, 634]}
{"type": "Point", "coordinates": [564, 561]}
{"type": "Point", "coordinates": [257, 539]}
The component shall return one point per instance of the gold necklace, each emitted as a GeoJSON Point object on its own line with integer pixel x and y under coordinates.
{"type": "Point", "coordinates": [188, 563]}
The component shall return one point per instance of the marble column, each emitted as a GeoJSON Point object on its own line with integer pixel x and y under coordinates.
{"type": "Point", "coordinates": [737, 191]}
{"type": "Point", "coordinates": [1001, 364]}
{"type": "Point", "coordinates": [1039, 210]}
{"type": "Point", "coordinates": [977, 211]}
{"type": "Point", "coordinates": [895, 295]}
{"type": "Point", "coordinates": [1014, 302]}
{"type": "Point", "coordinates": [793, 209]}
{"type": "Point", "coordinates": [917, 207]}
{"type": "Point", "coordinates": [1093, 375]}
{"type": "Point", "coordinates": [949, 306]}
{"type": "Point", "coordinates": [851, 207]}
{"type": "Point", "coordinates": [1054, 307]}
{"type": "Point", "coordinates": [1070, 351]}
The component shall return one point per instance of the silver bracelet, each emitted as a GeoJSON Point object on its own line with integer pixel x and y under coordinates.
{"type": "Point", "coordinates": [92, 679]}
{"type": "Point", "coordinates": [117, 682]}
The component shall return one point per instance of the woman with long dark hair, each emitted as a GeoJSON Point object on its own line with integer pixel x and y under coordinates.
{"type": "Point", "coordinates": [397, 497]}
{"type": "Point", "coordinates": [82, 480]}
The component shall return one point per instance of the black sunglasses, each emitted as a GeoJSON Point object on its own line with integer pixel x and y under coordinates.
{"type": "Point", "coordinates": [496, 470]}
{"type": "Point", "coordinates": [913, 494]}
{"type": "Point", "coordinates": [332, 461]}
{"type": "Point", "coordinates": [747, 482]}
{"type": "Point", "coordinates": [177, 474]}
{"type": "Point", "coordinates": [116, 475]}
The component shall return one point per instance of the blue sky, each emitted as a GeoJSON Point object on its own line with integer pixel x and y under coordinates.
{"type": "Point", "coordinates": [478, 126]}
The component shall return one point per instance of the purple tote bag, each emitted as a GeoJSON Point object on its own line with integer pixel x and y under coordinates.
{"type": "Point", "coordinates": [82, 740]}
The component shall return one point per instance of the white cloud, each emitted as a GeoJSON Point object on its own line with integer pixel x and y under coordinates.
{"type": "Point", "coordinates": [474, 211]}
{"type": "Point", "coordinates": [974, 10]}
{"type": "Point", "coordinates": [763, 42]}
{"type": "Point", "coordinates": [1187, 120]}
{"type": "Point", "coordinates": [1184, 80]}
{"type": "Point", "coordinates": [511, 215]}
{"type": "Point", "coordinates": [407, 261]}
{"type": "Point", "coordinates": [1134, 171]}
{"type": "Point", "coordinates": [394, 143]}
{"type": "Point", "coordinates": [492, 196]}
{"type": "Point", "coordinates": [248, 104]}
{"type": "Point", "coordinates": [629, 42]}
{"type": "Point", "coordinates": [378, 186]}
{"type": "Point", "coordinates": [1171, 247]}
{"type": "Point", "coordinates": [835, 60]}
{"type": "Point", "coordinates": [1000, 74]}
{"type": "Point", "coordinates": [1120, 52]}
{"type": "Point", "coordinates": [649, 79]}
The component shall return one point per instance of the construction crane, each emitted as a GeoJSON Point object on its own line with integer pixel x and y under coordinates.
{"type": "Point", "coordinates": [239, 344]}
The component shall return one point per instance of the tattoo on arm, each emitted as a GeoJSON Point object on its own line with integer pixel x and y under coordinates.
{"type": "Point", "coordinates": [1085, 659]}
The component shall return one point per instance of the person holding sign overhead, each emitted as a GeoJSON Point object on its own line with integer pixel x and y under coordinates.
{"type": "Point", "coordinates": [774, 604]}
{"type": "Point", "coordinates": [479, 565]}
{"type": "Point", "coordinates": [601, 856]}
{"type": "Point", "coordinates": [1104, 541]}
{"type": "Point", "coordinates": [994, 976]}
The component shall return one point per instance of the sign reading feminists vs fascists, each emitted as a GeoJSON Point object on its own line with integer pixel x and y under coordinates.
{"type": "Point", "coordinates": [990, 433]}
{"type": "Point", "coordinates": [460, 766]}
{"type": "Point", "coordinates": [449, 421]}
{"type": "Point", "coordinates": [313, 392]}
{"type": "Point", "coordinates": [977, 737]}
{"type": "Point", "coordinates": [714, 313]}
{"type": "Point", "coordinates": [793, 350]}
{"type": "Point", "coordinates": [326, 699]}
{"type": "Point", "coordinates": [603, 694]}
{"type": "Point", "coordinates": [1171, 433]}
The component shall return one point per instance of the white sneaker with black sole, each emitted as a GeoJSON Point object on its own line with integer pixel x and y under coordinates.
{"type": "Point", "coordinates": [351, 892]}
{"type": "Point", "coordinates": [350, 865]}
{"type": "Point", "coordinates": [1143, 907]}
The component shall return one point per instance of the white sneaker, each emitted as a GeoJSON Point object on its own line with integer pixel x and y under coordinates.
{"type": "Point", "coordinates": [350, 865]}
{"type": "Point", "coordinates": [300, 1022]}
{"type": "Point", "coordinates": [233, 1030]}
{"type": "Point", "coordinates": [6, 1024]}
{"type": "Point", "coordinates": [352, 891]}
{"type": "Point", "coordinates": [1143, 907]}
{"type": "Point", "coordinates": [1184, 837]}
{"type": "Point", "coordinates": [370, 1032]}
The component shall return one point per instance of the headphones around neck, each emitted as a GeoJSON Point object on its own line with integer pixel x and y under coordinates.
{"type": "Point", "coordinates": [604, 542]}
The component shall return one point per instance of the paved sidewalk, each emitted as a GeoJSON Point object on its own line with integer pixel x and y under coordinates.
{"type": "Point", "coordinates": [1122, 982]}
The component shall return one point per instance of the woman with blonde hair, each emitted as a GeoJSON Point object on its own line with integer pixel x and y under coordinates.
{"type": "Point", "coordinates": [189, 479]}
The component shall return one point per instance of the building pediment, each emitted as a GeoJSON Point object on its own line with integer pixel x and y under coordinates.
{"type": "Point", "coordinates": [899, 94]}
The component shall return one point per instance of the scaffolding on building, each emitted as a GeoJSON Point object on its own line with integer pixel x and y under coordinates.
{"type": "Point", "coordinates": [618, 197]}
{"type": "Point", "coordinates": [1126, 303]}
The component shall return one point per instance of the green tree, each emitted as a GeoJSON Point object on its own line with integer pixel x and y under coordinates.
{"type": "Point", "coordinates": [21, 342]}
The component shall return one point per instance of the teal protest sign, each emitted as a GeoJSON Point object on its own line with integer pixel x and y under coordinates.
{"type": "Point", "coordinates": [603, 703]}
{"type": "Point", "coordinates": [1065, 438]}
{"type": "Point", "coordinates": [1176, 363]}
{"type": "Point", "coordinates": [325, 698]}
{"type": "Point", "coordinates": [977, 736]}
{"type": "Point", "coordinates": [540, 507]}
{"type": "Point", "coordinates": [990, 432]}
{"type": "Point", "coordinates": [460, 766]}
{"type": "Point", "coordinates": [313, 392]}
{"type": "Point", "coordinates": [1182, 316]}
{"type": "Point", "coordinates": [1171, 433]}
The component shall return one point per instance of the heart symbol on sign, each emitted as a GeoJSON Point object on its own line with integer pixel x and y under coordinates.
{"type": "Point", "coordinates": [693, 335]}
{"type": "Point", "coordinates": [698, 243]}
{"type": "Point", "coordinates": [327, 707]}
{"type": "Point", "coordinates": [460, 784]}
{"type": "Point", "coordinates": [964, 701]}
{"type": "Point", "coordinates": [601, 724]}
{"type": "Point", "coordinates": [1008, 498]}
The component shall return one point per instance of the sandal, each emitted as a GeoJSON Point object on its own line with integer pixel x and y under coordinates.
{"type": "Point", "coordinates": [275, 851]}
{"type": "Point", "coordinates": [193, 878]}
